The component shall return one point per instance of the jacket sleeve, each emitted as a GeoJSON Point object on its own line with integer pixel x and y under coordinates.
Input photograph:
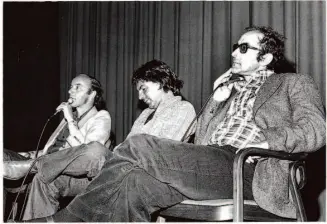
{"type": "Point", "coordinates": [307, 129]}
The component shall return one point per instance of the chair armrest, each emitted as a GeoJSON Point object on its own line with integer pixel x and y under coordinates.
{"type": "Point", "coordinates": [238, 173]}
{"type": "Point", "coordinates": [242, 154]}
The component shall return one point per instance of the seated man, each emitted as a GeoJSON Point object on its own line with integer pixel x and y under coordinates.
{"type": "Point", "coordinates": [168, 116]}
{"type": "Point", "coordinates": [268, 110]}
{"type": "Point", "coordinates": [82, 126]}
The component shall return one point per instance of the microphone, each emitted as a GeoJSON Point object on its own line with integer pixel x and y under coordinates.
{"type": "Point", "coordinates": [233, 78]}
{"type": "Point", "coordinates": [69, 101]}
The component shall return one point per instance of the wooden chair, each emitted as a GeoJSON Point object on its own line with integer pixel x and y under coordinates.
{"type": "Point", "coordinates": [237, 209]}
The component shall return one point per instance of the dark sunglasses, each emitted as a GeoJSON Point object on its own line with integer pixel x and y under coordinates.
{"type": "Point", "coordinates": [243, 47]}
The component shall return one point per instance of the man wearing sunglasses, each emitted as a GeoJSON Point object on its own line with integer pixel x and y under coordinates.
{"type": "Point", "coordinates": [267, 108]}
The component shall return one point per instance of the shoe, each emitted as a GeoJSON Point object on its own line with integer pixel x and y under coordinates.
{"type": "Point", "coordinates": [14, 170]}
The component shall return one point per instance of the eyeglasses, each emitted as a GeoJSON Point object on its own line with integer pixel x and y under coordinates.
{"type": "Point", "coordinates": [244, 47]}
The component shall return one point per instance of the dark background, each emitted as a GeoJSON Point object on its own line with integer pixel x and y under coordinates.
{"type": "Point", "coordinates": [31, 86]}
{"type": "Point", "coordinates": [31, 90]}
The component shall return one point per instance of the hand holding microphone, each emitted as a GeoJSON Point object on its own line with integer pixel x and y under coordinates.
{"type": "Point", "coordinates": [66, 108]}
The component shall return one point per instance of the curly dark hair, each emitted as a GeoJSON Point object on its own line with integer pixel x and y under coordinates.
{"type": "Point", "coordinates": [274, 43]}
{"type": "Point", "coordinates": [158, 72]}
{"type": "Point", "coordinates": [96, 86]}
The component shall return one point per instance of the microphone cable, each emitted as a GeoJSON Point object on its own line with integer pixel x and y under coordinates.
{"type": "Point", "coordinates": [28, 172]}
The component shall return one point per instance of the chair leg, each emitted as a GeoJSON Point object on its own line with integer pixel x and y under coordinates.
{"type": "Point", "coordinates": [300, 212]}
{"type": "Point", "coordinates": [301, 216]}
{"type": "Point", "coordinates": [161, 219]}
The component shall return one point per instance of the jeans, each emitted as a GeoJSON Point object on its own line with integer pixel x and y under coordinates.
{"type": "Point", "coordinates": [63, 173]}
{"type": "Point", "coordinates": [145, 174]}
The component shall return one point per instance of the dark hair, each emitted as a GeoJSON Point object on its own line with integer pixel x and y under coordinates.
{"type": "Point", "coordinates": [158, 72]}
{"type": "Point", "coordinates": [96, 86]}
{"type": "Point", "coordinates": [273, 43]}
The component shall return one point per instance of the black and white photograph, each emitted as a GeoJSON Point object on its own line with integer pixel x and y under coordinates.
{"type": "Point", "coordinates": [163, 111]}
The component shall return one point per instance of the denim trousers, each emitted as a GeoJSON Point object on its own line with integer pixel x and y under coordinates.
{"type": "Point", "coordinates": [63, 173]}
{"type": "Point", "coordinates": [145, 174]}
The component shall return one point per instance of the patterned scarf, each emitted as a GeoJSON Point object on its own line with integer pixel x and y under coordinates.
{"type": "Point", "coordinates": [238, 128]}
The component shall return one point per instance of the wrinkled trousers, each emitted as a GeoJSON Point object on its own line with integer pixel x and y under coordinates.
{"type": "Point", "coordinates": [145, 174]}
{"type": "Point", "coordinates": [63, 173]}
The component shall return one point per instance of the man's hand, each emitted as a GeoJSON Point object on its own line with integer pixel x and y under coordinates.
{"type": "Point", "coordinates": [262, 145]}
{"type": "Point", "coordinates": [222, 93]}
{"type": "Point", "coordinates": [31, 154]}
{"type": "Point", "coordinates": [25, 154]}
{"type": "Point", "coordinates": [66, 108]}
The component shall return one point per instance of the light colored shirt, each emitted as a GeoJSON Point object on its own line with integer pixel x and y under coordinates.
{"type": "Point", "coordinates": [95, 126]}
{"type": "Point", "coordinates": [171, 120]}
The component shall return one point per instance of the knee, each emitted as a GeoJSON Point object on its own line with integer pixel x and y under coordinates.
{"type": "Point", "coordinates": [96, 149]}
{"type": "Point", "coordinates": [140, 147]}
{"type": "Point", "coordinates": [139, 142]}
{"type": "Point", "coordinates": [136, 182]}
{"type": "Point", "coordinates": [138, 138]}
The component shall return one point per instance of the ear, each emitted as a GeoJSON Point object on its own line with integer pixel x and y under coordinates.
{"type": "Point", "coordinates": [266, 59]}
{"type": "Point", "coordinates": [93, 94]}
{"type": "Point", "coordinates": [159, 85]}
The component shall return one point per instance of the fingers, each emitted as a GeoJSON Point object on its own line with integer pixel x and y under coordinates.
{"type": "Point", "coordinates": [25, 154]}
{"type": "Point", "coordinates": [252, 159]}
{"type": "Point", "coordinates": [62, 106]}
{"type": "Point", "coordinates": [223, 78]}
{"type": "Point", "coordinates": [249, 160]}
{"type": "Point", "coordinates": [222, 93]}
{"type": "Point", "coordinates": [230, 86]}
{"type": "Point", "coordinates": [33, 154]}
{"type": "Point", "coordinates": [219, 81]}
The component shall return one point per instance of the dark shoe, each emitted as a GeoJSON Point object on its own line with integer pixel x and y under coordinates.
{"type": "Point", "coordinates": [14, 170]}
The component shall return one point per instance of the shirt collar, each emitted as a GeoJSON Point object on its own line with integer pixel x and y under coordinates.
{"type": "Point", "coordinates": [255, 81]}
{"type": "Point", "coordinates": [168, 102]}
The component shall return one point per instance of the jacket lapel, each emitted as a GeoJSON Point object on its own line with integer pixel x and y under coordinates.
{"type": "Point", "coordinates": [54, 135]}
{"type": "Point", "coordinates": [266, 91]}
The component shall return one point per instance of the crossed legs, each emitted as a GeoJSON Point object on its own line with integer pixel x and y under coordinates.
{"type": "Point", "coordinates": [147, 173]}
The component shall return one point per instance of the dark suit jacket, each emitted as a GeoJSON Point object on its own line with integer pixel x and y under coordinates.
{"type": "Point", "coordinates": [289, 110]}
